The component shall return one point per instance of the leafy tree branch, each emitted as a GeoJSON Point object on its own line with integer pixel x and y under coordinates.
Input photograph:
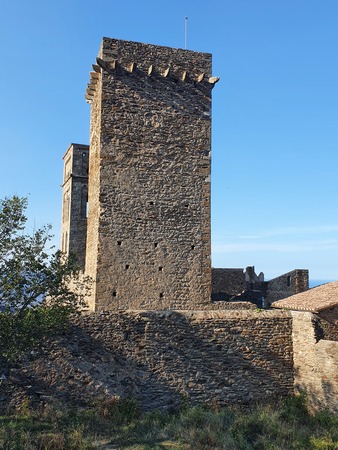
{"type": "Point", "coordinates": [38, 289]}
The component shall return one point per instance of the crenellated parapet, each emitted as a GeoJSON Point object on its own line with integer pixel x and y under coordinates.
{"type": "Point", "coordinates": [179, 67]}
{"type": "Point", "coordinates": [115, 67]}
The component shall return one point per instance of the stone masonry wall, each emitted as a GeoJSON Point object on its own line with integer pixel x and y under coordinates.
{"type": "Point", "coordinates": [328, 322]}
{"type": "Point", "coordinates": [148, 243]}
{"type": "Point", "coordinates": [286, 285]}
{"type": "Point", "coordinates": [160, 357]}
{"type": "Point", "coordinates": [94, 206]}
{"type": "Point", "coordinates": [227, 283]}
{"type": "Point", "coordinates": [316, 364]}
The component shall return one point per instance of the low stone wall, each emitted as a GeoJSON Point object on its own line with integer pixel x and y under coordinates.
{"type": "Point", "coordinates": [160, 357]}
{"type": "Point", "coordinates": [316, 364]}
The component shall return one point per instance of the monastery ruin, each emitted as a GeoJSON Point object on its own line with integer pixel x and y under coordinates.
{"type": "Point", "coordinates": [136, 211]}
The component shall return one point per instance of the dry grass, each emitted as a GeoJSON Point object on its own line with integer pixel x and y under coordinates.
{"type": "Point", "coordinates": [118, 424]}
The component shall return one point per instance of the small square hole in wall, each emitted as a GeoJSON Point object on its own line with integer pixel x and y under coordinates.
{"type": "Point", "coordinates": [160, 269]}
{"type": "Point", "coordinates": [155, 244]}
{"type": "Point", "coordinates": [192, 247]}
{"type": "Point", "coordinates": [161, 294]}
{"type": "Point", "coordinates": [127, 266]}
{"type": "Point", "coordinates": [187, 205]}
{"type": "Point", "coordinates": [119, 242]}
{"type": "Point", "coordinates": [151, 203]}
{"type": "Point", "coordinates": [114, 294]}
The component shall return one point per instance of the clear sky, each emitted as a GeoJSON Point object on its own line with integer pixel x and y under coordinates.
{"type": "Point", "coordinates": [275, 114]}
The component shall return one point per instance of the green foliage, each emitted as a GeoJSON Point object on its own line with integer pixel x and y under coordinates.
{"type": "Point", "coordinates": [323, 443]}
{"type": "Point", "coordinates": [295, 410]}
{"type": "Point", "coordinates": [38, 289]}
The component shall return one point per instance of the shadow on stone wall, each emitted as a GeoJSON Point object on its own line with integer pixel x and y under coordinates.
{"type": "Point", "coordinates": [321, 396]}
{"type": "Point", "coordinates": [316, 362]}
{"type": "Point", "coordinates": [77, 369]}
{"type": "Point", "coordinates": [159, 358]}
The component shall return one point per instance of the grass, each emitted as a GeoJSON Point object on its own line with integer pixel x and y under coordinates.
{"type": "Point", "coordinates": [118, 424]}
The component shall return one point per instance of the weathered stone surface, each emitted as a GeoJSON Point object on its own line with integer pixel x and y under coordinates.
{"type": "Point", "coordinates": [288, 284]}
{"type": "Point", "coordinates": [148, 228]}
{"type": "Point", "coordinates": [316, 364]}
{"type": "Point", "coordinates": [158, 357]}
{"type": "Point", "coordinates": [146, 244]}
{"type": "Point", "coordinates": [328, 321]}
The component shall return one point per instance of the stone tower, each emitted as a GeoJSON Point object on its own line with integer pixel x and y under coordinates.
{"type": "Point", "coordinates": [74, 205]}
{"type": "Point", "coordinates": [148, 225]}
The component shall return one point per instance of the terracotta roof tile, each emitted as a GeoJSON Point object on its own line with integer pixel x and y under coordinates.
{"type": "Point", "coordinates": [314, 300]}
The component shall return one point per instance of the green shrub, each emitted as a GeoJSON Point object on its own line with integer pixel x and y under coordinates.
{"type": "Point", "coordinates": [119, 410]}
{"type": "Point", "coordinates": [323, 443]}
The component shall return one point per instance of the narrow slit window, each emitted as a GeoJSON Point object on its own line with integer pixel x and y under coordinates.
{"type": "Point", "coordinates": [84, 202]}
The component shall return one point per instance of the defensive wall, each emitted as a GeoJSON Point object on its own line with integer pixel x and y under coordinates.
{"type": "Point", "coordinates": [164, 358]}
{"type": "Point", "coordinates": [160, 358]}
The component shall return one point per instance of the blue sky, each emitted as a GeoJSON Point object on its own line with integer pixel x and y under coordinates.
{"type": "Point", "coordinates": [275, 111]}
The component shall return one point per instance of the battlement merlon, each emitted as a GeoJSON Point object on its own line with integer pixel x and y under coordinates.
{"type": "Point", "coordinates": [148, 54]}
{"type": "Point", "coordinates": [152, 60]}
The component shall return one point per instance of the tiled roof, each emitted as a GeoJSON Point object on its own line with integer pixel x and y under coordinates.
{"type": "Point", "coordinates": [314, 300]}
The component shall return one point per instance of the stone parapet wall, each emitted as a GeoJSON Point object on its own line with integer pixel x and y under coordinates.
{"type": "Point", "coordinates": [160, 57]}
{"type": "Point", "coordinates": [161, 357]}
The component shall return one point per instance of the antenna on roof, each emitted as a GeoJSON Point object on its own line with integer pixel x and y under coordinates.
{"type": "Point", "coordinates": [185, 31]}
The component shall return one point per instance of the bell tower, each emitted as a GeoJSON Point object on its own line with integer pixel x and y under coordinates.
{"type": "Point", "coordinates": [75, 201]}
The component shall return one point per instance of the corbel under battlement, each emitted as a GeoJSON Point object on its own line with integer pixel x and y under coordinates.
{"type": "Point", "coordinates": [113, 66]}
